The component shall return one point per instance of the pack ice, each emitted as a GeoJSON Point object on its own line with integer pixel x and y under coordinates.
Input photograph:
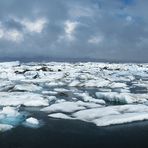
{"type": "Point", "coordinates": [99, 93]}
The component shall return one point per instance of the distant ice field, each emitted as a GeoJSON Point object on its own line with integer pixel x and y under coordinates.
{"type": "Point", "coordinates": [100, 93]}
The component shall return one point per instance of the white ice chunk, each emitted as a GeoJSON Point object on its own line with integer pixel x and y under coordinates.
{"type": "Point", "coordinates": [5, 127]}
{"type": "Point", "coordinates": [105, 89]}
{"type": "Point", "coordinates": [87, 98]}
{"type": "Point", "coordinates": [20, 98]}
{"type": "Point", "coordinates": [122, 97]}
{"type": "Point", "coordinates": [10, 64]}
{"type": "Point", "coordinates": [27, 87]}
{"type": "Point", "coordinates": [67, 107]}
{"type": "Point", "coordinates": [30, 74]}
{"type": "Point", "coordinates": [54, 83]}
{"type": "Point", "coordinates": [121, 90]}
{"type": "Point", "coordinates": [115, 97]}
{"type": "Point", "coordinates": [91, 114]}
{"type": "Point", "coordinates": [113, 114]}
{"type": "Point", "coordinates": [120, 119]}
{"type": "Point", "coordinates": [49, 92]}
{"type": "Point", "coordinates": [60, 116]}
{"type": "Point", "coordinates": [118, 85]}
{"type": "Point", "coordinates": [6, 85]}
{"type": "Point", "coordinates": [88, 104]}
{"type": "Point", "coordinates": [61, 90]}
{"type": "Point", "coordinates": [74, 83]}
{"type": "Point", "coordinates": [97, 83]}
{"type": "Point", "coordinates": [32, 120]}
{"type": "Point", "coordinates": [131, 108]}
{"type": "Point", "coordinates": [10, 111]}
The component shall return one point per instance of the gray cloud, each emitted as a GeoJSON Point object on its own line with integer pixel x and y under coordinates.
{"type": "Point", "coordinates": [98, 29]}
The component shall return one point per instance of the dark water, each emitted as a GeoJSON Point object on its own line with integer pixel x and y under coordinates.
{"type": "Point", "coordinates": [76, 134]}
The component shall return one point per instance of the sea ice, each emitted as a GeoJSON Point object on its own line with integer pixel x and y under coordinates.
{"type": "Point", "coordinates": [115, 97]}
{"type": "Point", "coordinates": [120, 119]}
{"type": "Point", "coordinates": [21, 98]}
{"type": "Point", "coordinates": [66, 107]}
{"type": "Point", "coordinates": [5, 127]}
{"type": "Point", "coordinates": [27, 87]}
{"type": "Point", "coordinates": [122, 98]}
{"type": "Point", "coordinates": [113, 114]}
{"type": "Point", "coordinates": [10, 111]}
{"type": "Point", "coordinates": [91, 114]}
{"type": "Point", "coordinates": [11, 116]}
{"type": "Point", "coordinates": [89, 91]}
{"type": "Point", "coordinates": [32, 123]}
{"type": "Point", "coordinates": [87, 98]}
{"type": "Point", "coordinates": [60, 116]}
{"type": "Point", "coordinates": [10, 64]}
{"type": "Point", "coordinates": [32, 120]}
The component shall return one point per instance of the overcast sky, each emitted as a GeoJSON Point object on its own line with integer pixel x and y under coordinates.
{"type": "Point", "coordinates": [99, 29]}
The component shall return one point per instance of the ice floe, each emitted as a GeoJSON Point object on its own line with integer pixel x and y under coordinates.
{"type": "Point", "coordinates": [113, 114]}
{"type": "Point", "coordinates": [67, 107]}
{"type": "Point", "coordinates": [60, 116]}
{"type": "Point", "coordinates": [27, 87]}
{"type": "Point", "coordinates": [10, 111]}
{"type": "Point", "coordinates": [20, 98]}
{"type": "Point", "coordinates": [122, 98]}
{"type": "Point", "coordinates": [11, 116]}
{"type": "Point", "coordinates": [121, 119]}
{"type": "Point", "coordinates": [32, 120]}
{"type": "Point", "coordinates": [5, 127]}
{"type": "Point", "coordinates": [9, 64]}
{"type": "Point", "coordinates": [87, 98]}
{"type": "Point", "coordinates": [115, 97]}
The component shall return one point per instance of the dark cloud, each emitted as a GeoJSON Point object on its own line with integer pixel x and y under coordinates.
{"type": "Point", "coordinates": [99, 29]}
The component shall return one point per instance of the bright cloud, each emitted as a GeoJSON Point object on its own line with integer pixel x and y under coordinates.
{"type": "Point", "coordinates": [79, 11]}
{"type": "Point", "coordinates": [1, 33]}
{"type": "Point", "coordinates": [58, 29]}
{"type": "Point", "coordinates": [36, 26]}
{"type": "Point", "coordinates": [70, 29]}
{"type": "Point", "coordinates": [14, 35]}
{"type": "Point", "coordinates": [10, 35]}
{"type": "Point", "coordinates": [96, 39]}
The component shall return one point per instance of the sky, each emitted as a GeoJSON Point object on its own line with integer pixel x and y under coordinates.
{"type": "Point", "coordinates": [93, 29]}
